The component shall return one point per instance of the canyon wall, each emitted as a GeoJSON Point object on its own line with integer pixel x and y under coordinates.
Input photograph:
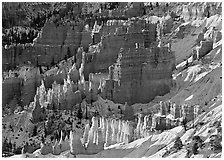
{"type": "Point", "coordinates": [54, 44]}
{"type": "Point", "coordinates": [118, 34]}
{"type": "Point", "coordinates": [21, 87]}
{"type": "Point", "coordinates": [142, 74]}
{"type": "Point", "coordinates": [62, 39]}
{"type": "Point", "coordinates": [145, 67]}
{"type": "Point", "coordinates": [192, 11]}
{"type": "Point", "coordinates": [11, 88]}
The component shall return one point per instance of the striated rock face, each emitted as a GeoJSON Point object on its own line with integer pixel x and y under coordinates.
{"type": "Point", "coordinates": [17, 54]}
{"type": "Point", "coordinates": [38, 112]}
{"type": "Point", "coordinates": [60, 35]}
{"type": "Point", "coordinates": [11, 88]}
{"type": "Point", "coordinates": [102, 40]}
{"type": "Point", "coordinates": [141, 58]}
{"type": "Point", "coordinates": [53, 44]}
{"type": "Point", "coordinates": [22, 87]}
{"type": "Point", "coordinates": [31, 82]}
{"type": "Point", "coordinates": [57, 42]}
{"type": "Point", "coordinates": [118, 34]}
{"type": "Point", "coordinates": [139, 75]}
{"type": "Point", "coordinates": [192, 11]}
{"type": "Point", "coordinates": [76, 146]}
{"type": "Point", "coordinates": [86, 38]}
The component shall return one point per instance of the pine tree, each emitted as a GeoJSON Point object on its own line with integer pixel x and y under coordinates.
{"type": "Point", "coordinates": [150, 5]}
{"type": "Point", "coordinates": [5, 144]}
{"type": "Point", "coordinates": [79, 114]}
{"type": "Point", "coordinates": [178, 143]}
{"type": "Point", "coordinates": [68, 52]}
{"type": "Point", "coordinates": [45, 131]}
{"type": "Point", "coordinates": [42, 139]}
{"type": "Point", "coordinates": [195, 148]}
{"type": "Point", "coordinates": [52, 62]}
{"type": "Point", "coordinates": [34, 131]}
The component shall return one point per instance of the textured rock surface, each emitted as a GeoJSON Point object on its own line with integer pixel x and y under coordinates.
{"type": "Point", "coordinates": [204, 48]}
{"type": "Point", "coordinates": [38, 112]}
{"type": "Point", "coordinates": [139, 53]}
{"type": "Point", "coordinates": [22, 87]}
{"type": "Point", "coordinates": [199, 10]}
{"type": "Point", "coordinates": [119, 34]}
{"type": "Point", "coordinates": [46, 149]}
{"type": "Point", "coordinates": [58, 41]}
{"type": "Point", "coordinates": [31, 82]}
{"type": "Point", "coordinates": [76, 146]}
{"type": "Point", "coordinates": [139, 71]}
{"type": "Point", "coordinates": [11, 88]}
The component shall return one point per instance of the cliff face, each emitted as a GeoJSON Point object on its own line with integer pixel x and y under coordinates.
{"type": "Point", "coordinates": [22, 87]}
{"type": "Point", "coordinates": [140, 75]}
{"type": "Point", "coordinates": [143, 66]}
{"type": "Point", "coordinates": [17, 55]}
{"type": "Point", "coordinates": [116, 34]}
{"type": "Point", "coordinates": [32, 81]}
{"type": "Point", "coordinates": [54, 44]}
{"type": "Point", "coordinates": [60, 40]}
{"type": "Point", "coordinates": [11, 88]}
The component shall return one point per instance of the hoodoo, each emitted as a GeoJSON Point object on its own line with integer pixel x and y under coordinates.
{"type": "Point", "coordinates": [112, 79]}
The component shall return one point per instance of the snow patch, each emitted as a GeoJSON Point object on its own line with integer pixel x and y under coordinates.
{"type": "Point", "coordinates": [189, 98]}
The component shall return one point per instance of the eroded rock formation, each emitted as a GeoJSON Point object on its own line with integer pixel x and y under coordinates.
{"type": "Point", "coordinates": [136, 72]}
{"type": "Point", "coordinates": [21, 85]}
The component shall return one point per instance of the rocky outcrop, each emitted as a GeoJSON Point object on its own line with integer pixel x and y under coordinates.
{"type": "Point", "coordinates": [46, 148]}
{"type": "Point", "coordinates": [61, 97]}
{"type": "Point", "coordinates": [11, 88]}
{"type": "Point", "coordinates": [61, 146]}
{"type": "Point", "coordinates": [136, 38]}
{"type": "Point", "coordinates": [97, 137]}
{"type": "Point", "coordinates": [95, 141]}
{"type": "Point", "coordinates": [137, 72]}
{"type": "Point", "coordinates": [53, 44]}
{"type": "Point", "coordinates": [55, 47]}
{"type": "Point", "coordinates": [109, 132]}
{"type": "Point", "coordinates": [21, 87]}
{"type": "Point", "coordinates": [118, 34]}
{"type": "Point", "coordinates": [38, 112]}
{"type": "Point", "coordinates": [62, 39]}
{"type": "Point", "coordinates": [76, 146]}
{"type": "Point", "coordinates": [15, 55]}
{"type": "Point", "coordinates": [32, 79]}
{"type": "Point", "coordinates": [86, 38]}
{"type": "Point", "coordinates": [204, 48]}
{"type": "Point", "coordinates": [30, 148]}
{"type": "Point", "coordinates": [217, 36]}
{"type": "Point", "coordinates": [192, 11]}
{"type": "Point", "coordinates": [134, 9]}
{"type": "Point", "coordinates": [60, 36]}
